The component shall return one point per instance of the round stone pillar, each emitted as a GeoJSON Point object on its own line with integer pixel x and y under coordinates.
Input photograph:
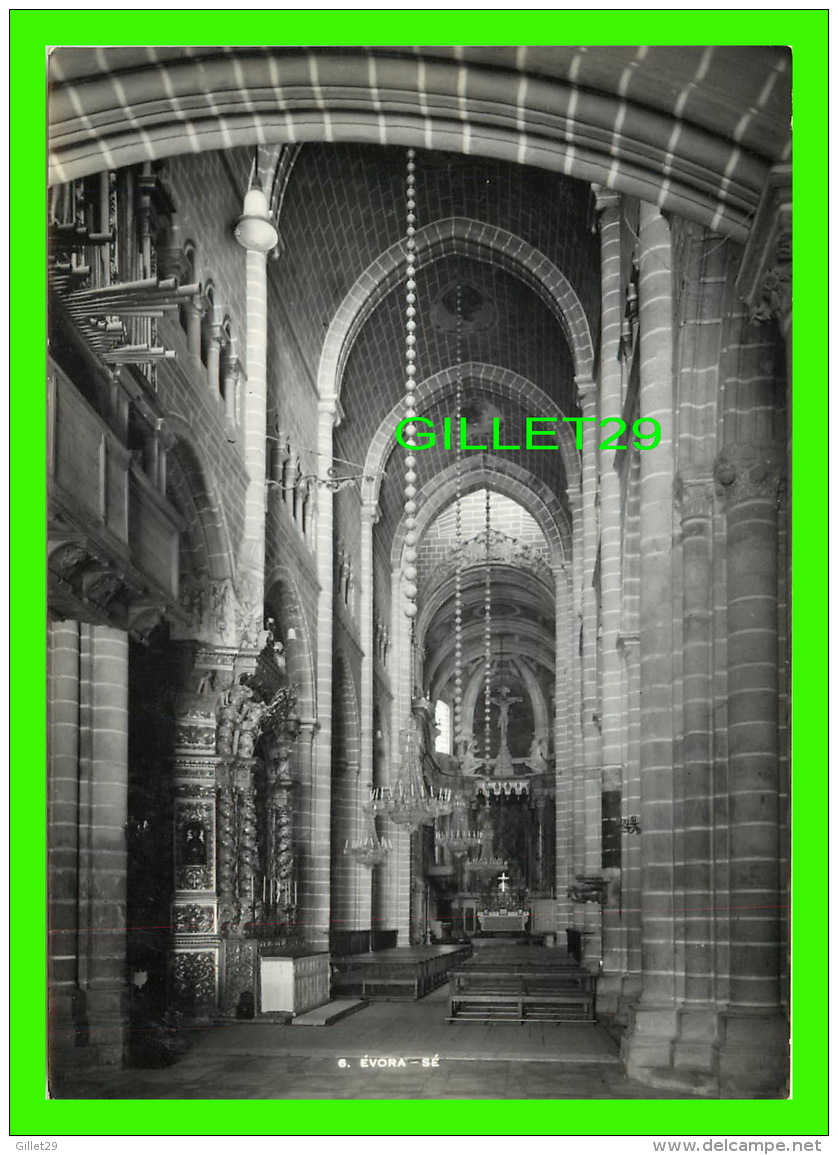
{"type": "Point", "coordinates": [647, 1043]}
{"type": "Point", "coordinates": [753, 1048]}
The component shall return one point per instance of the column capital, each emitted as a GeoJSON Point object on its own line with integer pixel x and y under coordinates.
{"type": "Point", "coordinates": [586, 387]}
{"type": "Point", "coordinates": [255, 231]}
{"type": "Point", "coordinates": [764, 280]}
{"type": "Point", "coordinates": [750, 471]}
{"type": "Point", "coordinates": [695, 496]}
{"type": "Point", "coordinates": [607, 201]}
{"type": "Point", "coordinates": [371, 511]}
{"type": "Point", "coordinates": [331, 406]}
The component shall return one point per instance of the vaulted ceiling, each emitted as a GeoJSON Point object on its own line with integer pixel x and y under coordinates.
{"type": "Point", "coordinates": [693, 129]}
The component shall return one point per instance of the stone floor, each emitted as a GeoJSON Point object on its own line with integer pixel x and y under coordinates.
{"type": "Point", "coordinates": [258, 1060]}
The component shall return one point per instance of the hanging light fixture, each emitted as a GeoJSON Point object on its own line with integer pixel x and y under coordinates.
{"type": "Point", "coordinates": [460, 741]}
{"type": "Point", "coordinates": [409, 571]}
{"type": "Point", "coordinates": [369, 850]}
{"type": "Point", "coordinates": [410, 802]}
{"type": "Point", "coordinates": [487, 641]}
{"type": "Point", "coordinates": [458, 836]}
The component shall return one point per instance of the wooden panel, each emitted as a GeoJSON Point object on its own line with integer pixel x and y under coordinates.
{"type": "Point", "coordinates": [154, 539]}
{"type": "Point", "coordinates": [87, 461]}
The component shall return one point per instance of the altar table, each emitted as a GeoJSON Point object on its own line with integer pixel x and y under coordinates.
{"type": "Point", "coordinates": [492, 920]}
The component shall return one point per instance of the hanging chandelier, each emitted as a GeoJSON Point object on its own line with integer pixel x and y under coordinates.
{"type": "Point", "coordinates": [369, 850]}
{"type": "Point", "coordinates": [458, 836]}
{"type": "Point", "coordinates": [410, 801]}
{"type": "Point", "coordinates": [487, 640]}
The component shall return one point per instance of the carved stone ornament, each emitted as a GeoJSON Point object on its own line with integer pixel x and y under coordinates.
{"type": "Point", "coordinates": [239, 973]}
{"type": "Point", "coordinates": [186, 767]}
{"type": "Point", "coordinates": [249, 612]}
{"type": "Point", "coordinates": [65, 558]}
{"type": "Point", "coordinates": [502, 548]}
{"type": "Point", "coordinates": [695, 496]}
{"type": "Point", "coordinates": [210, 609]}
{"type": "Point", "coordinates": [590, 888]}
{"type": "Point", "coordinates": [194, 977]}
{"type": "Point", "coordinates": [194, 844]}
{"type": "Point", "coordinates": [775, 291]}
{"type": "Point", "coordinates": [749, 472]}
{"type": "Point", "coordinates": [193, 917]}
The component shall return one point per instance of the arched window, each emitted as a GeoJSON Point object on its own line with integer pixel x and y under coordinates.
{"type": "Point", "coordinates": [442, 717]}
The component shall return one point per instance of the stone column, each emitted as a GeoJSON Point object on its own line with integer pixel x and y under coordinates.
{"type": "Point", "coordinates": [369, 516]}
{"type": "Point", "coordinates": [753, 1050]}
{"type": "Point", "coordinates": [88, 813]}
{"type": "Point", "coordinates": [562, 874]}
{"type": "Point", "coordinates": [251, 561]}
{"type": "Point", "coordinates": [631, 874]}
{"type": "Point", "coordinates": [308, 894]}
{"type": "Point", "coordinates": [319, 899]}
{"type": "Point", "coordinates": [591, 741]}
{"type": "Point", "coordinates": [692, 1050]}
{"type": "Point", "coordinates": [577, 823]}
{"type": "Point", "coordinates": [396, 871]}
{"type": "Point", "coordinates": [648, 1041]}
{"type": "Point", "coordinates": [68, 1027]}
{"type": "Point", "coordinates": [611, 663]}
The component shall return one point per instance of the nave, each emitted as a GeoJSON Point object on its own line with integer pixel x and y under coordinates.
{"type": "Point", "coordinates": [259, 1060]}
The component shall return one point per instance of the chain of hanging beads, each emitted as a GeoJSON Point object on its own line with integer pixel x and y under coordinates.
{"type": "Point", "coordinates": [487, 639]}
{"type": "Point", "coordinates": [410, 571]}
{"type": "Point", "coordinates": [458, 567]}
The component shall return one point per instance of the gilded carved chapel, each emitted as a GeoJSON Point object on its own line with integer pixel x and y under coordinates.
{"type": "Point", "coordinates": [418, 547]}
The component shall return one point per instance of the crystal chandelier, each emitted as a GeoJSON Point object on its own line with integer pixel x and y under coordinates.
{"type": "Point", "coordinates": [369, 850]}
{"type": "Point", "coordinates": [410, 801]}
{"type": "Point", "coordinates": [458, 836]}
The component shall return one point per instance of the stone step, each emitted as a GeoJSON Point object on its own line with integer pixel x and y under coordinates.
{"type": "Point", "coordinates": [329, 1013]}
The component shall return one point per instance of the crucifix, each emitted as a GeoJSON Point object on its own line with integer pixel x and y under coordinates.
{"type": "Point", "coordinates": [503, 882]}
{"type": "Point", "coordinates": [503, 702]}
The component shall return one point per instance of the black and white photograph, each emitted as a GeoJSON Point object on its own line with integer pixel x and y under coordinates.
{"type": "Point", "coordinates": [418, 571]}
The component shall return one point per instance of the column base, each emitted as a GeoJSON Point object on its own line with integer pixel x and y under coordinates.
{"type": "Point", "coordinates": [646, 1048]}
{"type": "Point", "coordinates": [89, 1032]}
{"type": "Point", "coordinates": [753, 1053]}
{"type": "Point", "coordinates": [628, 994]}
{"type": "Point", "coordinates": [708, 1051]}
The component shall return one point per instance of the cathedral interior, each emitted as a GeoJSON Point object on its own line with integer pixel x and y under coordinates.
{"type": "Point", "coordinates": [418, 543]}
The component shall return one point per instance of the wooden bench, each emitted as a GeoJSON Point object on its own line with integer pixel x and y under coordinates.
{"type": "Point", "coordinates": [490, 994]}
{"type": "Point", "coordinates": [393, 975]}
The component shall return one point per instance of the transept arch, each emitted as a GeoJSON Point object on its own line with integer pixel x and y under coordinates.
{"type": "Point", "coordinates": [505, 383]}
{"type": "Point", "coordinates": [488, 471]}
{"type": "Point", "coordinates": [646, 122]}
{"type": "Point", "coordinates": [455, 236]}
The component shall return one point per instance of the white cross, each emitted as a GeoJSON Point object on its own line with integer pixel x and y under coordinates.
{"type": "Point", "coordinates": [504, 878]}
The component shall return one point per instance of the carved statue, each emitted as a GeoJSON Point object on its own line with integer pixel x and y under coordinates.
{"type": "Point", "coordinates": [469, 762]}
{"type": "Point", "coordinates": [537, 758]}
{"type": "Point", "coordinates": [194, 845]}
{"type": "Point", "coordinates": [231, 706]}
{"type": "Point", "coordinates": [248, 727]}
